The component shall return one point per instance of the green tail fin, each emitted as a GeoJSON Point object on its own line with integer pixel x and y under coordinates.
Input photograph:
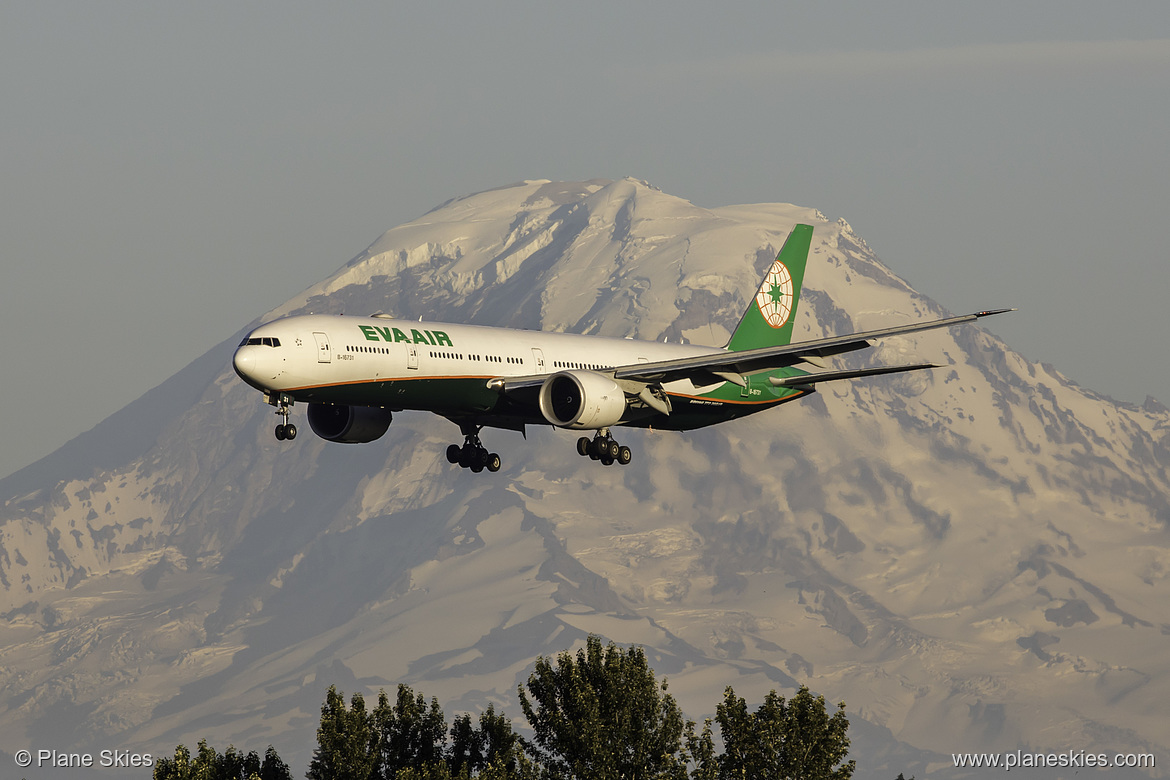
{"type": "Point", "coordinates": [769, 317]}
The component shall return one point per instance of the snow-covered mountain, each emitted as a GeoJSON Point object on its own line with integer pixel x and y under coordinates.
{"type": "Point", "coordinates": [973, 559]}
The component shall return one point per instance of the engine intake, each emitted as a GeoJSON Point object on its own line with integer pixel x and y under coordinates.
{"type": "Point", "coordinates": [348, 424]}
{"type": "Point", "coordinates": [581, 400]}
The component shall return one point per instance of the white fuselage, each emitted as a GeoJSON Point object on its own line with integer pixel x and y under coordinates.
{"type": "Point", "coordinates": [305, 356]}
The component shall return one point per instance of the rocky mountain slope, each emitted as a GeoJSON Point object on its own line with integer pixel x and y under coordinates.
{"type": "Point", "coordinates": [974, 558]}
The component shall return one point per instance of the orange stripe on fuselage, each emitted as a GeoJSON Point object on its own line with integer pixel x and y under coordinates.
{"type": "Point", "coordinates": [380, 380]}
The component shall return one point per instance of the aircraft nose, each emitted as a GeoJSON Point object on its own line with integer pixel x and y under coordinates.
{"type": "Point", "coordinates": [246, 363]}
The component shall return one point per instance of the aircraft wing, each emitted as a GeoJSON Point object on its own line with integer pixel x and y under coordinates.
{"type": "Point", "coordinates": [731, 366]}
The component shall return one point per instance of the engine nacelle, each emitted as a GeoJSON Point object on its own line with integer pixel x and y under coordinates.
{"type": "Point", "coordinates": [348, 424]}
{"type": "Point", "coordinates": [581, 400]}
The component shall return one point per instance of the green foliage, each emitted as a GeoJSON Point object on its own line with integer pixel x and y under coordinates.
{"type": "Point", "coordinates": [407, 740]}
{"type": "Point", "coordinates": [519, 767]}
{"type": "Point", "coordinates": [272, 768]}
{"type": "Point", "coordinates": [492, 744]}
{"type": "Point", "coordinates": [603, 716]}
{"type": "Point", "coordinates": [410, 735]}
{"type": "Point", "coordinates": [702, 752]}
{"type": "Point", "coordinates": [783, 740]}
{"type": "Point", "coordinates": [466, 745]}
{"type": "Point", "coordinates": [209, 764]}
{"type": "Point", "coordinates": [177, 768]}
{"type": "Point", "coordinates": [436, 771]}
{"type": "Point", "coordinates": [599, 714]}
{"type": "Point", "coordinates": [347, 744]}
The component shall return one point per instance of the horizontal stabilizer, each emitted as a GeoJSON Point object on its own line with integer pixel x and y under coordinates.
{"type": "Point", "coordinates": [805, 380]}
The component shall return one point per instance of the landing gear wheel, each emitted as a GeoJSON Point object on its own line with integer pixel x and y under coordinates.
{"type": "Point", "coordinates": [466, 455]}
{"type": "Point", "coordinates": [603, 448]}
{"type": "Point", "coordinates": [283, 404]}
{"type": "Point", "coordinates": [473, 455]}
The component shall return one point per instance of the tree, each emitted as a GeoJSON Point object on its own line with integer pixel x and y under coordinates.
{"type": "Point", "coordinates": [702, 751]}
{"type": "Point", "coordinates": [783, 740]}
{"type": "Point", "coordinates": [410, 735]}
{"type": "Point", "coordinates": [502, 746]}
{"type": "Point", "coordinates": [603, 716]}
{"type": "Point", "coordinates": [466, 746]}
{"type": "Point", "coordinates": [272, 767]}
{"type": "Point", "coordinates": [599, 714]}
{"type": "Point", "coordinates": [347, 746]}
{"type": "Point", "coordinates": [436, 771]}
{"type": "Point", "coordinates": [485, 751]}
{"type": "Point", "coordinates": [177, 768]}
{"type": "Point", "coordinates": [209, 764]}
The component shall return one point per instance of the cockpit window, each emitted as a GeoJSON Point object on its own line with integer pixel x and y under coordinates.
{"type": "Point", "coordinates": [266, 341]}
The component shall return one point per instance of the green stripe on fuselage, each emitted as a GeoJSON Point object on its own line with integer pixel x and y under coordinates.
{"type": "Point", "coordinates": [724, 402]}
{"type": "Point", "coordinates": [758, 390]}
{"type": "Point", "coordinates": [470, 396]}
{"type": "Point", "coordinates": [437, 394]}
{"type": "Point", "coordinates": [691, 412]}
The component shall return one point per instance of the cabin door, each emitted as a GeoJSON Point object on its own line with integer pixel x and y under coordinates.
{"type": "Point", "coordinates": [323, 355]}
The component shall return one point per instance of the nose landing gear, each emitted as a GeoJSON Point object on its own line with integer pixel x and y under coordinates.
{"type": "Point", "coordinates": [286, 430]}
{"type": "Point", "coordinates": [473, 455]}
{"type": "Point", "coordinates": [604, 448]}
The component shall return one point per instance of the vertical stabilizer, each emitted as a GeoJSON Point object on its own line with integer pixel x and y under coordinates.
{"type": "Point", "coordinates": [769, 317]}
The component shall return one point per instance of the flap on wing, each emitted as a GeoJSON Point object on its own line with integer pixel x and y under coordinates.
{"type": "Point", "coordinates": [805, 380]}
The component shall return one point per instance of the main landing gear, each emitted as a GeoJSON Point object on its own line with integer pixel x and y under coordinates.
{"type": "Point", "coordinates": [473, 455]}
{"type": "Point", "coordinates": [285, 430]}
{"type": "Point", "coordinates": [603, 448]}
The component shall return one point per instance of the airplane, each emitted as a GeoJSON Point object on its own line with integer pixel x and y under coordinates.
{"type": "Point", "coordinates": [355, 372]}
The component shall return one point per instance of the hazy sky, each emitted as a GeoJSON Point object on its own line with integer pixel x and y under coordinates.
{"type": "Point", "coordinates": [170, 172]}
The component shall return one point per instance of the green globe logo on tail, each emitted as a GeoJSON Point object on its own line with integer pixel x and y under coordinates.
{"type": "Point", "coordinates": [775, 295]}
{"type": "Point", "coordinates": [770, 314]}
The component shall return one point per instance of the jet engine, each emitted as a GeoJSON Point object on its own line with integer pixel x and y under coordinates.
{"type": "Point", "coordinates": [348, 424]}
{"type": "Point", "coordinates": [581, 400]}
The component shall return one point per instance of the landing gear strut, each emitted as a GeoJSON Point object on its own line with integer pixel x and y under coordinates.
{"type": "Point", "coordinates": [473, 455]}
{"type": "Point", "coordinates": [603, 448]}
{"type": "Point", "coordinates": [286, 430]}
